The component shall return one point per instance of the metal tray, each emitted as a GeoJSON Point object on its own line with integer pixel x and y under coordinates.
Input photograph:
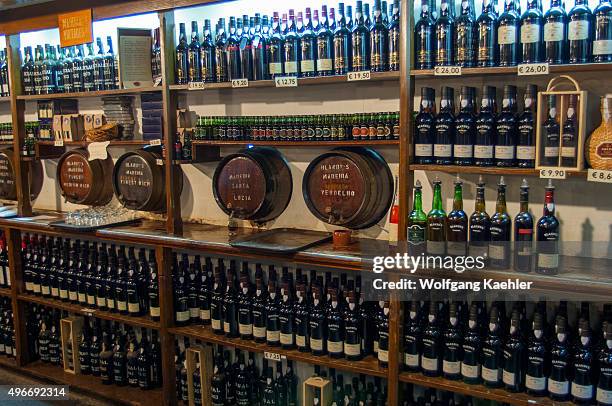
{"type": "Point", "coordinates": [281, 240]}
{"type": "Point", "coordinates": [61, 224]}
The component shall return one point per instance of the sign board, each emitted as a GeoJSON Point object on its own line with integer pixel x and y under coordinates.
{"type": "Point", "coordinates": [135, 57]}
{"type": "Point", "coordinates": [75, 28]}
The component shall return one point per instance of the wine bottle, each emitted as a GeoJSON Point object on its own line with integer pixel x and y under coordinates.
{"type": "Point", "coordinates": [436, 223]}
{"type": "Point", "coordinates": [85, 351]}
{"type": "Point", "coordinates": [525, 148]}
{"type": "Point", "coordinates": [425, 38]}
{"type": "Point", "coordinates": [465, 35]}
{"type": "Point", "coordinates": [119, 361]}
{"type": "Point", "coordinates": [360, 36]}
{"type": "Point", "coordinates": [480, 225]}
{"type": "Point", "coordinates": [501, 228]}
{"type": "Point", "coordinates": [555, 33]}
{"type": "Point", "coordinates": [523, 233]}
{"type": "Point", "coordinates": [431, 355]}
{"type": "Point", "coordinates": [132, 361]}
{"type": "Point", "coordinates": [259, 307]}
{"type": "Point", "coordinates": [457, 223]}
{"type": "Point", "coordinates": [506, 128]}
{"type": "Point", "coordinates": [602, 39]}
{"type": "Point", "coordinates": [532, 30]}
{"type": "Point", "coordinates": [245, 317]}
{"type": "Point", "coordinates": [216, 300]}
{"type": "Point", "coordinates": [335, 325]}
{"type": "Point", "coordinates": [412, 337]}
{"type": "Point", "coordinates": [286, 312]}
{"type": "Point", "coordinates": [453, 337]}
{"type": "Point", "coordinates": [547, 236]}
{"type": "Point", "coordinates": [95, 348]}
{"type": "Point", "coordinates": [380, 39]}
{"type": "Point", "coordinates": [471, 348]}
{"type": "Point", "coordinates": [604, 383]}
{"type": "Point", "coordinates": [550, 152]}
{"type": "Point", "coordinates": [508, 34]}
{"type": "Point", "coordinates": [302, 314]}
{"type": "Point", "coordinates": [444, 29]}
{"type": "Point", "coordinates": [465, 125]}
{"type": "Point", "coordinates": [538, 358]}
{"type": "Point", "coordinates": [569, 136]}
{"type": "Point", "coordinates": [221, 68]}
{"type": "Point", "coordinates": [272, 310]}
{"type": "Point", "coordinates": [382, 324]}
{"type": "Point", "coordinates": [486, 24]}
{"type": "Point", "coordinates": [318, 328]}
{"type": "Point", "coordinates": [246, 50]}
{"type": "Point", "coordinates": [580, 32]}
{"type": "Point", "coordinates": [583, 383]}
{"type": "Point", "coordinates": [485, 128]}
{"type": "Point", "coordinates": [492, 352]}
{"type": "Point", "coordinates": [514, 356]}
{"type": "Point", "coordinates": [353, 334]}
{"type": "Point", "coordinates": [444, 125]}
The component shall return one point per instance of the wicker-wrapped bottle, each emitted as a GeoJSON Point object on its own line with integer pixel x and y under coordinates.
{"type": "Point", "coordinates": [599, 143]}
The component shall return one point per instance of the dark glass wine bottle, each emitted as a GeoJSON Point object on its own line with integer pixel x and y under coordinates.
{"type": "Point", "coordinates": [508, 30]}
{"type": "Point", "coordinates": [583, 360]}
{"type": "Point", "coordinates": [194, 71]}
{"type": "Point", "coordinates": [232, 49]}
{"type": "Point", "coordinates": [360, 37]}
{"type": "Point", "coordinates": [453, 340]}
{"type": "Point", "coordinates": [318, 329]}
{"type": "Point", "coordinates": [259, 307]}
{"type": "Point", "coordinates": [246, 50]}
{"type": "Point", "coordinates": [182, 57]}
{"type": "Point", "coordinates": [485, 128]}
{"type": "Point", "coordinates": [286, 313]}
{"type": "Point", "coordinates": [412, 337]}
{"type": "Point", "coordinates": [492, 352]}
{"type": "Point", "coordinates": [514, 356]}
{"type": "Point", "coordinates": [181, 299]}
{"type": "Point", "coordinates": [465, 35]}
{"type": "Point", "coordinates": [465, 126]}
{"type": "Point", "coordinates": [424, 123]}
{"type": "Point", "coordinates": [425, 38]}
{"type": "Point", "coordinates": [436, 223]}
{"type": "Point", "coordinates": [85, 351]}
{"type": "Point", "coordinates": [292, 47]}
{"type": "Point", "coordinates": [106, 360]}
{"type": "Point", "coordinates": [547, 236]}
{"type": "Point", "coordinates": [245, 317]}
{"type": "Point", "coordinates": [272, 311]}
{"type": "Point", "coordinates": [302, 314]}
{"type": "Point", "coordinates": [444, 125]}
{"type": "Point", "coordinates": [352, 325]}
{"type": "Point", "coordinates": [119, 362]}
{"type": "Point", "coordinates": [342, 44]}
{"type": "Point", "coordinates": [207, 55]}
{"type": "Point", "coordinates": [218, 382]}
{"type": "Point", "coordinates": [506, 128]}
{"type": "Point", "coordinates": [444, 29]}
{"type": "Point", "coordinates": [580, 32]}
{"type": "Point", "coordinates": [602, 39]}
{"type": "Point", "coordinates": [532, 32]}
{"type": "Point", "coordinates": [221, 69]}
{"type": "Point", "coordinates": [382, 327]}
{"type": "Point", "coordinates": [523, 233]}
{"type": "Point", "coordinates": [555, 33]}
{"type": "Point", "coordinates": [537, 358]}
{"type": "Point", "coordinates": [486, 25]}
{"type": "Point", "coordinates": [335, 326]}
{"type": "Point", "coordinates": [472, 347]}
{"type": "Point", "coordinates": [480, 225]}
{"type": "Point", "coordinates": [604, 383]}
{"type": "Point", "coordinates": [95, 348]}
{"type": "Point", "coordinates": [325, 46]}
{"type": "Point", "coordinates": [457, 222]}
{"type": "Point", "coordinates": [569, 137]}
{"type": "Point", "coordinates": [525, 146]}
{"type": "Point", "coordinates": [308, 41]}
{"type": "Point", "coordinates": [132, 361]}
{"type": "Point", "coordinates": [394, 37]}
{"type": "Point", "coordinates": [432, 351]}
{"type": "Point", "coordinates": [500, 231]}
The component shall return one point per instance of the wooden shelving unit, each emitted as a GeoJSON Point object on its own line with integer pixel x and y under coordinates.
{"type": "Point", "coordinates": [96, 93]}
{"type": "Point", "coordinates": [5, 99]}
{"type": "Point", "coordinates": [114, 143]}
{"type": "Point", "coordinates": [512, 70]}
{"type": "Point", "coordinates": [347, 143]}
{"type": "Point", "coordinates": [488, 170]}
{"type": "Point", "coordinates": [5, 292]}
{"type": "Point", "coordinates": [6, 143]}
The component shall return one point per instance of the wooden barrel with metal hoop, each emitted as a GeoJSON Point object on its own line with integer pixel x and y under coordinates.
{"type": "Point", "coordinates": [8, 187]}
{"type": "Point", "coordinates": [83, 181]}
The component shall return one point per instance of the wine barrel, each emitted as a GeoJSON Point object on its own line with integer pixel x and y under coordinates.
{"type": "Point", "coordinates": [253, 184]}
{"type": "Point", "coordinates": [348, 187]}
{"type": "Point", "coordinates": [8, 187]}
{"type": "Point", "coordinates": [140, 183]}
{"type": "Point", "coordinates": [83, 181]}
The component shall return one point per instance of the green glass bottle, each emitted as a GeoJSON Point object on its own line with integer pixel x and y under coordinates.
{"type": "Point", "coordinates": [436, 223]}
{"type": "Point", "coordinates": [417, 223]}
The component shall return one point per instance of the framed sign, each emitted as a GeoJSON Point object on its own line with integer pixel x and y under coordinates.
{"type": "Point", "coordinates": [135, 57]}
{"type": "Point", "coordinates": [75, 28]}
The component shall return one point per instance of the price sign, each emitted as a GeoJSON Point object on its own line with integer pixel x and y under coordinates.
{"type": "Point", "coordinates": [552, 174]}
{"type": "Point", "coordinates": [196, 86]}
{"type": "Point", "coordinates": [599, 175]}
{"type": "Point", "coordinates": [88, 312]}
{"type": "Point", "coordinates": [285, 81]}
{"type": "Point", "coordinates": [527, 69]}
{"type": "Point", "coordinates": [447, 71]}
{"type": "Point", "coordinates": [240, 83]}
{"type": "Point", "coordinates": [156, 141]}
{"type": "Point", "coordinates": [272, 356]}
{"type": "Point", "coordinates": [159, 162]}
{"type": "Point", "coordinates": [58, 143]}
{"type": "Point", "coordinates": [97, 150]}
{"type": "Point", "coordinates": [361, 75]}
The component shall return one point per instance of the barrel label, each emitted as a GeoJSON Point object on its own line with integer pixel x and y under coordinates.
{"type": "Point", "coordinates": [7, 178]}
{"type": "Point", "coordinates": [241, 186]}
{"type": "Point", "coordinates": [75, 177]}
{"type": "Point", "coordinates": [134, 181]}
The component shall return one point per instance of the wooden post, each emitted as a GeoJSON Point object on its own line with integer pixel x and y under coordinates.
{"type": "Point", "coordinates": [22, 168]}
{"type": "Point", "coordinates": [163, 257]}
{"type": "Point", "coordinates": [13, 242]}
{"type": "Point", "coordinates": [174, 222]}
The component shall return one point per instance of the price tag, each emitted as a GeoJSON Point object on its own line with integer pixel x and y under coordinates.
{"type": "Point", "coordinates": [88, 311]}
{"type": "Point", "coordinates": [159, 162]}
{"type": "Point", "coordinates": [447, 71]}
{"type": "Point", "coordinates": [196, 86]}
{"type": "Point", "coordinates": [97, 150]}
{"type": "Point", "coordinates": [272, 356]}
{"type": "Point", "coordinates": [553, 174]}
{"type": "Point", "coordinates": [285, 81]}
{"type": "Point", "coordinates": [58, 143]}
{"type": "Point", "coordinates": [361, 75]}
{"type": "Point", "coordinates": [156, 141]}
{"type": "Point", "coordinates": [240, 83]}
{"type": "Point", "coordinates": [599, 175]}
{"type": "Point", "coordinates": [527, 69]}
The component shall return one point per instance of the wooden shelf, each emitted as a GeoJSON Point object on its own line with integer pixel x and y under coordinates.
{"type": "Point", "coordinates": [123, 395]}
{"type": "Point", "coordinates": [320, 80]}
{"type": "Point", "coordinates": [87, 311]}
{"type": "Point", "coordinates": [488, 170]}
{"type": "Point", "coordinates": [347, 143]}
{"type": "Point", "coordinates": [5, 99]}
{"type": "Point", "coordinates": [96, 93]}
{"type": "Point", "coordinates": [5, 292]}
{"type": "Point", "coordinates": [368, 365]}
{"type": "Point", "coordinates": [113, 143]}
{"type": "Point", "coordinates": [478, 391]}
{"type": "Point", "coordinates": [7, 362]}
{"type": "Point", "coordinates": [512, 70]}
{"type": "Point", "coordinates": [6, 143]}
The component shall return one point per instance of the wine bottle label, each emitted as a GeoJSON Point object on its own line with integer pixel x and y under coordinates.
{"type": "Point", "coordinates": [300, 341]}
{"type": "Point", "coordinates": [245, 329]}
{"type": "Point", "coordinates": [530, 33]}
{"type": "Point", "coordinates": [36, 288]}
{"type": "Point", "coordinates": [226, 327]}
{"type": "Point", "coordinates": [497, 251]}
{"type": "Point", "coordinates": [551, 152]}
{"type": "Point", "coordinates": [275, 68]}
{"type": "Point", "coordinates": [291, 67]}
{"type": "Point", "coordinates": [553, 31]}
{"type": "Point", "coordinates": [429, 364]}
{"type": "Point", "coordinates": [375, 346]}
{"type": "Point", "coordinates": [316, 344]}
{"type": "Point", "coordinates": [578, 30]}
{"type": "Point", "coordinates": [558, 387]}
{"type": "Point", "coordinates": [602, 47]}
{"type": "Point", "coordinates": [72, 296]}
{"type": "Point", "coordinates": [506, 35]}
{"type": "Point", "coordinates": [28, 286]}
{"type": "Point", "coordinates": [423, 149]}
{"type": "Point", "coordinates": [463, 151]}
{"type": "Point", "coordinates": [216, 324]}
{"type": "Point", "coordinates": [604, 396]}
{"type": "Point", "coordinates": [155, 311]}
{"type": "Point", "coordinates": [82, 297]}
{"type": "Point", "coordinates": [91, 300]}
{"type": "Point", "coordinates": [55, 292]}
{"type": "Point", "coordinates": [535, 383]}
{"type": "Point", "coordinates": [259, 332]}
{"type": "Point", "coordinates": [509, 378]}
{"type": "Point", "coordinates": [491, 375]}
{"type": "Point", "coordinates": [45, 290]}
{"type": "Point", "coordinates": [110, 303]}
{"type": "Point", "coordinates": [352, 349]}
{"type": "Point", "coordinates": [451, 367]}
{"type": "Point", "coordinates": [307, 65]}
{"type": "Point", "coordinates": [525, 152]}
{"type": "Point", "coordinates": [273, 336]}
{"type": "Point", "coordinates": [194, 312]}
{"type": "Point", "coordinates": [582, 391]}
{"type": "Point", "coordinates": [548, 260]}
{"type": "Point", "coordinates": [383, 355]}
{"type": "Point", "coordinates": [483, 151]}
{"type": "Point", "coordinates": [443, 150]}
{"type": "Point", "coordinates": [335, 347]}
{"type": "Point", "coordinates": [504, 151]}
{"type": "Point", "coordinates": [286, 339]}
{"type": "Point", "coordinates": [412, 360]}
{"type": "Point", "coordinates": [456, 248]}
{"type": "Point", "coordinates": [435, 247]}
{"type": "Point", "coordinates": [121, 305]}
{"type": "Point", "coordinates": [133, 307]}
{"type": "Point", "coordinates": [204, 314]}
{"type": "Point", "coordinates": [470, 371]}
{"type": "Point", "coordinates": [3, 348]}
{"type": "Point", "coordinates": [568, 152]}
{"type": "Point", "coordinates": [180, 316]}
{"type": "Point", "coordinates": [324, 64]}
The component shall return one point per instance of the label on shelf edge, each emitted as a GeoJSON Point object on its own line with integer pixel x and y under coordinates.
{"type": "Point", "coordinates": [58, 143]}
{"type": "Point", "coordinates": [196, 85]}
{"type": "Point", "coordinates": [240, 82]}
{"type": "Point", "coordinates": [97, 150]}
{"type": "Point", "coordinates": [360, 75]}
{"type": "Point", "coordinates": [159, 162]}
{"type": "Point", "coordinates": [156, 141]}
{"type": "Point", "coordinates": [529, 69]}
{"type": "Point", "coordinates": [273, 356]}
{"type": "Point", "coordinates": [553, 173]}
{"type": "Point", "coordinates": [285, 81]}
{"type": "Point", "coordinates": [599, 175]}
{"type": "Point", "coordinates": [447, 70]}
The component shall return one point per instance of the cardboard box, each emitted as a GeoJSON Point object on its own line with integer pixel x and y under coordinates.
{"type": "Point", "coordinates": [58, 120]}
{"type": "Point", "coordinates": [99, 120]}
{"type": "Point", "coordinates": [70, 330]}
{"type": "Point", "coordinates": [88, 122]}
{"type": "Point", "coordinates": [204, 357]}
{"type": "Point", "coordinates": [317, 386]}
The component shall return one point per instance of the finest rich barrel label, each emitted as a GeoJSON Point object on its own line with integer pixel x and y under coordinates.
{"type": "Point", "coordinates": [337, 188]}
{"type": "Point", "coordinates": [75, 177]}
{"type": "Point", "coordinates": [134, 181]}
{"type": "Point", "coordinates": [241, 186]}
{"type": "Point", "coordinates": [7, 178]}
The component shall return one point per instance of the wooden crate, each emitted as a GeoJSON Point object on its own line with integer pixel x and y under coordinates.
{"type": "Point", "coordinates": [562, 97]}
{"type": "Point", "coordinates": [70, 329]}
{"type": "Point", "coordinates": [203, 356]}
{"type": "Point", "coordinates": [316, 384]}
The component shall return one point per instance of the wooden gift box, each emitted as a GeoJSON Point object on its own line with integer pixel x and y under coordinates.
{"type": "Point", "coordinates": [314, 385]}
{"type": "Point", "coordinates": [203, 356]}
{"type": "Point", "coordinates": [562, 104]}
{"type": "Point", "coordinates": [70, 330]}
